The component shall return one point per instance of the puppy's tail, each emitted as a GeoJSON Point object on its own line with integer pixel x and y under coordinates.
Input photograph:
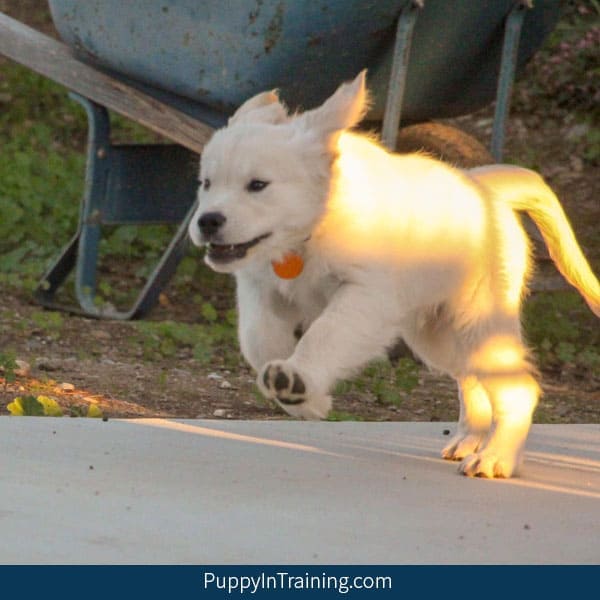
{"type": "Point", "coordinates": [526, 191]}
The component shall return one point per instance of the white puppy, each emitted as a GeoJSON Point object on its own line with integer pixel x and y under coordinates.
{"type": "Point", "coordinates": [339, 248]}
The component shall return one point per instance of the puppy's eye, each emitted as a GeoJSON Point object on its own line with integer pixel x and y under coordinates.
{"type": "Point", "coordinates": [256, 185]}
{"type": "Point", "coordinates": [205, 184]}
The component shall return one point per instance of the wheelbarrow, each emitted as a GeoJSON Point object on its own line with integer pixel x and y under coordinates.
{"type": "Point", "coordinates": [181, 67]}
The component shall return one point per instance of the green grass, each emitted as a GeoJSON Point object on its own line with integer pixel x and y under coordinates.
{"type": "Point", "coordinates": [214, 341]}
{"type": "Point", "coordinates": [340, 415]}
{"type": "Point", "coordinates": [41, 172]}
{"type": "Point", "coordinates": [39, 194]}
{"type": "Point", "coordinates": [49, 322]}
{"type": "Point", "coordinates": [42, 136]}
{"type": "Point", "coordinates": [562, 332]}
{"type": "Point", "coordinates": [390, 384]}
{"type": "Point", "coordinates": [8, 366]}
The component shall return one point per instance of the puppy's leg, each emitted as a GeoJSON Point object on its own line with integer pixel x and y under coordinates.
{"type": "Point", "coordinates": [354, 328]}
{"type": "Point", "coordinates": [513, 392]}
{"type": "Point", "coordinates": [474, 421]}
{"type": "Point", "coordinates": [264, 337]}
{"type": "Point", "coordinates": [267, 324]}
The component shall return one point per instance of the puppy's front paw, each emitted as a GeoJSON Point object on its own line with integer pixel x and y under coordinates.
{"type": "Point", "coordinates": [291, 390]}
{"type": "Point", "coordinates": [279, 382]}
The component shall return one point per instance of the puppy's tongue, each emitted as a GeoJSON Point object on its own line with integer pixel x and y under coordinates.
{"type": "Point", "coordinates": [289, 267]}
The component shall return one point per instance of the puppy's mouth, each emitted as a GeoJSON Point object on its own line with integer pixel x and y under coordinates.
{"type": "Point", "coordinates": [225, 253]}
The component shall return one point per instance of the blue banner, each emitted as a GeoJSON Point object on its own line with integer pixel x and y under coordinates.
{"type": "Point", "coordinates": [274, 582]}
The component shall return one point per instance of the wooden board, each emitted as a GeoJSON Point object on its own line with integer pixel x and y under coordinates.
{"type": "Point", "coordinates": [55, 60]}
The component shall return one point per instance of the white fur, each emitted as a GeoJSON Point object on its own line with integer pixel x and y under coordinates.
{"type": "Point", "coordinates": [395, 246]}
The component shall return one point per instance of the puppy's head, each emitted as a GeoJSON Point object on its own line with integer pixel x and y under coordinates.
{"type": "Point", "coordinates": [264, 179]}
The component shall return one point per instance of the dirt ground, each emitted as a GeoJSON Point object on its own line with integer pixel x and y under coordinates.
{"type": "Point", "coordinates": [89, 361]}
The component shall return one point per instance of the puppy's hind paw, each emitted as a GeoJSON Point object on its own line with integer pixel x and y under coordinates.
{"type": "Point", "coordinates": [462, 445]}
{"type": "Point", "coordinates": [489, 465]}
{"type": "Point", "coordinates": [282, 383]}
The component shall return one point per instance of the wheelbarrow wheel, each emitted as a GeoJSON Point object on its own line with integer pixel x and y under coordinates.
{"type": "Point", "coordinates": [444, 142]}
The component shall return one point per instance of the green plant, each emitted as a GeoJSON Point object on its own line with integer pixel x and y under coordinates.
{"type": "Point", "coordinates": [561, 330]}
{"type": "Point", "coordinates": [42, 136]}
{"type": "Point", "coordinates": [591, 141]}
{"type": "Point", "coordinates": [340, 415]}
{"type": "Point", "coordinates": [388, 383]}
{"type": "Point", "coordinates": [209, 312]}
{"type": "Point", "coordinates": [92, 411]}
{"type": "Point", "coordinates": [32, 406]}
{"type": "Point", "coordinates": [44, 406]}
{"type": "Point", "coordinates": [50, 322]}
{"type": "Point", "coordinates": [8, 366]}
{"type": "Point", "coordinates": [205, 342]}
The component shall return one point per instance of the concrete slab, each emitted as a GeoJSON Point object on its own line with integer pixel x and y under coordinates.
{"type": "Point", "coordinates": [173, 492]}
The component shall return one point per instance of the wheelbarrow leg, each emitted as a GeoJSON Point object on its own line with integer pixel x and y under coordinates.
{"type": "Point", "coordinates": [135, 184]}
{"type": "Point", "coordinates": [510, 52]}
{"type": "Point", "coordinates": [96, 176]}
{"type": "Point", "coordinates": [163, 271]}
{"type": "Point", "coordinates": [57, 273]}
{"type": "Point", "coordinates": [397, 84]}
{"type": "Point", "coordinates": [81, 252]}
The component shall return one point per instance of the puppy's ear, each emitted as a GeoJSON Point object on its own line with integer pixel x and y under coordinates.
{"type": "Point", "coordinates": [262, 108]}
{"type": "Point", "coordinates": [343, 110]}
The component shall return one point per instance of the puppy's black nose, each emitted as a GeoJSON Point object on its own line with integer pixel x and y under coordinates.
{"type": "Point", "coordinates": [210, 222]}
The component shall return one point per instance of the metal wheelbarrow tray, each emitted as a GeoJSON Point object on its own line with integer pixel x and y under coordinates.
{"type": "Point", "coordinates": [197, 60]}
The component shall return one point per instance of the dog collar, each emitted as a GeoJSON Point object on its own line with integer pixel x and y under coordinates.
{"type": "Point", "coordinates": [289, 267]}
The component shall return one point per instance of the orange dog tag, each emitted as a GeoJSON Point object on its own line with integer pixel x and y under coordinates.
{"type": "Point", "coordinates": [290, 267]}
